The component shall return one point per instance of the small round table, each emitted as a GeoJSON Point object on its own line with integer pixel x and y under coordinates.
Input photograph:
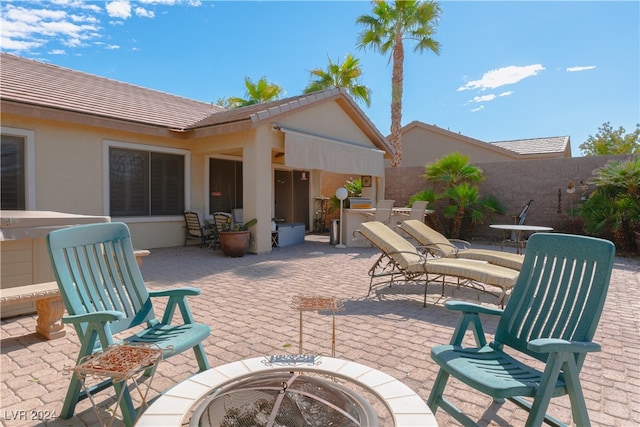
{"type": "Point", "coordinates": [518, 229]}
{"type": "Point", "coordinates": [175, 406]}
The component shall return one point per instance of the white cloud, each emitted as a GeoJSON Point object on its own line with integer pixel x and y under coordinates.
{"type": "Point", "coordinates": [507, 93]}
{"type": "Point", "coordinates": [119, 9]}
{"type": "Point", "coordinates": [480, 108]}
{"type": "Point", "coordinates": [25, 29]}
{"type": "Point", "coordinates": [574, 69]}
{"type": "Point", "coordinates": [144, 13]}
{"type": "Point", "coordinates": [59, 24]}
{"type": "Point", "coordinates": [484, 98]}
{"type": "Point", "coordinates": [57, 52]}
{"type": "Point", "coordinates": [112, 47]}
{"type": "Point", "coordinates": [503, 76]}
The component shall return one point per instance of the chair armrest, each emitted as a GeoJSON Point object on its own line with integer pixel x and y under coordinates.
{"type": "Point", "coordinates": [469, 317]}
{"type": "Point", "coordinates": [100, 316]}
{"type": "Point", "coordinates": [423, 259]}
{"type": "Point", "coordinates": [177, 299]}
{"type": "Point", "coordinates": [435, 250]}
{"type": "Point", "coordinates": [557, 345]}
{"type": "Point", "coordinates": [469, 307]}
{"type": "Point", "coordinates": [177, 292]}
{"type": "Point", "coordinates": [460, 244]}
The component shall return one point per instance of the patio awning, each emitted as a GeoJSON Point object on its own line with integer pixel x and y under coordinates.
{"type": "Point", "coordinates": [307, 151]}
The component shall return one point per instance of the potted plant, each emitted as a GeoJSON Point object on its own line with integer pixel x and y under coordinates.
{"type": "Point", "coordinates": [235, 240]}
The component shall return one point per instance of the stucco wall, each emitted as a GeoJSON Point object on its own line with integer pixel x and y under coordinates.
{"type": "Point", "coordinates": [422, 144]}
{"type": "Point", "coordinates": [514, 183]}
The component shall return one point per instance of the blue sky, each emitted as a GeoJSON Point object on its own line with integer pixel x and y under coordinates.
{"type": "Point", "coordinates": [506, 70]}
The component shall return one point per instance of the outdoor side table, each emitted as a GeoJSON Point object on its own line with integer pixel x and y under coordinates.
{"type": "Point", "coordinates": [120, 362]}
{"type": "Point", "coordinates": [316, 303]}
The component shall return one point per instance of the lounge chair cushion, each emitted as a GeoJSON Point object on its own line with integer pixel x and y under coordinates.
{"type": "Point", "coordinates": [427, 236]}
{"type": "Point", "coordinates": [478, 271]}
{"type": "Point", "coordinates": [391, 243]}
{"type": "Point", "coordinates": [409, 259]}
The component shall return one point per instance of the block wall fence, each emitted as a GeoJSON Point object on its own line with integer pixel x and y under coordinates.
{"type": "Point", "coordinates": [514, 183]}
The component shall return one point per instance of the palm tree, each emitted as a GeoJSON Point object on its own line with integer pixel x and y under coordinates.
{"type": "Point", "coordinates": [256, 93]}
{"type": "Point", "coordinates": [614, 206]}
{"type": "Point", "coordinates": [345, 75]}
{"type": "Point", "coordinates": [385, 31]}
{"type": "Point", "coordinates": [453, 169]}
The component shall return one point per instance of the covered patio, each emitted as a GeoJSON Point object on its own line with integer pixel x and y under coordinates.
{"type": "Point", "coordinates": [247, 303]}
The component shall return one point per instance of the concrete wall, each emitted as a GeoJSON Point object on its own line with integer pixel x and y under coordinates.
{"type": "Point", "coordinates": [514, 183]}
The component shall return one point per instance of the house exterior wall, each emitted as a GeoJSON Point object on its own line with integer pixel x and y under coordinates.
{"type": "Point", "coordinates": [71, 166]}
{"type": "Point", "coordinates": [329, 121]}
{"type": "Point", "coordinates": [514, 183]}
{"type": "Point", "coordinates": [421, 145]}
{"type": "Point", "coordinates": [69, 174]}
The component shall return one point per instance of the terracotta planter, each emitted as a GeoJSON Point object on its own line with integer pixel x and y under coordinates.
{"type": "Point", "coordinates": [235, 243]}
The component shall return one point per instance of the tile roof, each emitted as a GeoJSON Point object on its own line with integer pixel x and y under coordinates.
{"type": "Point", "coordinates": [258, 112]}
{"type": "Point", "coordinates": [38, 83]}
{"type": "Point", "coordinates": [554, 144]}
{"type": "Point", "coordinates": [32, 82]}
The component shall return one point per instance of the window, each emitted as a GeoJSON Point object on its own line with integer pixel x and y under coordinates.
{"type": "Point", "coordinates": [225, 185]}
{"type": "Point", "coordinates": [13, 173]}
{"type": "Point", "coordinates": [146, 183]}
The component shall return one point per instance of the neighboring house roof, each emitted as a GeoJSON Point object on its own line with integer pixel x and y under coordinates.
{"type": "Point", "coordinates": [456, 136]}
{"type": "Point", "coordinates": [29, 82]}
{"type": "Point", "coordinates": [36, 83]}
{"type": "Point", "coordinates": [539, 147]}
{"type": "Point", "coordinates": [556, 144]}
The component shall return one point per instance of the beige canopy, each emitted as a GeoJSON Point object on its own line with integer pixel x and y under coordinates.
{"type": "Point", "coordinates": [307, 151]}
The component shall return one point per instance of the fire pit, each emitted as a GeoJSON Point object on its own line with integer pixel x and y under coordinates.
{"type": "Point", "coordinates": [284, 400]}
{"type": "Point", "coordinates": [289, 390]}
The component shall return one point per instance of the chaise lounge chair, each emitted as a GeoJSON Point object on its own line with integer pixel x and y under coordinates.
{"type": "Point", "coordinates": [439, 246]}
{"type": "Point", "coordinates": [402, 259]}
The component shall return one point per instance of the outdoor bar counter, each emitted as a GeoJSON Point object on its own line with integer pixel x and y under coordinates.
{"type": "Point", "coordinates": [25, 259]}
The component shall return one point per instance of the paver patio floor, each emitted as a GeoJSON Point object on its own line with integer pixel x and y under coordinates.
{"type": "Point", "coordinates": [247, 303]}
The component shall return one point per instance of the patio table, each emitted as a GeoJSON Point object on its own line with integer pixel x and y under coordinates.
{"type": "Point", "coordinates": [518, 229]}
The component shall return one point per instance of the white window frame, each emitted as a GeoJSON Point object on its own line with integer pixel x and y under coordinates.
{"type": "Point", "coordinates": [30, 163]}
{"type": "Point", "coordinates": [107, 144]}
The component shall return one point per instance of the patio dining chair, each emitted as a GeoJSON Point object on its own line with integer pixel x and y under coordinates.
{"type": "Point", "coordinates": [551, 316]}
{"type": "Point", "coordinates": [104, 294]}
{"type": "Point", "coordinates": [418, 209]}
{"type": "Point", "coordinates": [195, 230]}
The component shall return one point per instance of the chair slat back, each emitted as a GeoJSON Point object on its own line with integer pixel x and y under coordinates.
{"type": "Point", "coordinates": [383, 211]}
{"type": "Point", "coordinates": [417, 210]}
{"type": "Point", "coordinates": [223, 221]}
{"type": "Point", "coordinates": [560, 292]}
{"type": "Point", "coordinates": [96, 270]}
{"type": "Point", "coordinates": [192, 219]}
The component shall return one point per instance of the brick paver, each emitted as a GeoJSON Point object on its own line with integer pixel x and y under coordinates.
{"type": "Point", "coordinates": [247, 303]}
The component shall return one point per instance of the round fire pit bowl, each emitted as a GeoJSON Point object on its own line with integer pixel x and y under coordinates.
{"type": "Point", "coordinates": [289, 390]}
{"type": "Point", "coordinates": [284, 400]}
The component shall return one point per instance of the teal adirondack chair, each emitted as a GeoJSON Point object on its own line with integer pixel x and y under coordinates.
{"type": "Point", "coordinates": [551, 315]}
{"type": "Point", "coordinates": [104, 294]}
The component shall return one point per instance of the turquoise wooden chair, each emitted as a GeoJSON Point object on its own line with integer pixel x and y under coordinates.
{"type": "Point", "coordinates": [104, 294]}
{"type": "Point", "coordinates": [551, 315]}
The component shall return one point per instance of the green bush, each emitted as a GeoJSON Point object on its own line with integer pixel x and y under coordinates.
{"type": "Point", "coordinates": [613, 208]}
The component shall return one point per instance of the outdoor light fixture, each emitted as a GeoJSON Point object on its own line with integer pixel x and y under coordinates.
{"type": "Point", "coordinates": [304, 177]}
{"type": "Point", "coordinates": [341, 194]}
